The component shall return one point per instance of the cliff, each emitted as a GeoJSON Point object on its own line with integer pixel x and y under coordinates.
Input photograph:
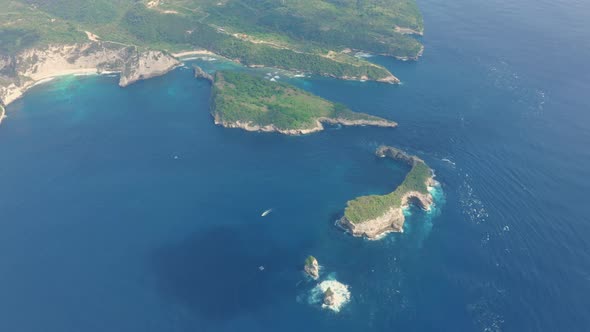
{"type": "Point", "coordinates": [376, 215]}
{"type": "Point", "coordinates": [318, 126]}
{"type": "Point", "coordinates": [20, 72]}
{"type": "Point", "coordinates": [2, 113]}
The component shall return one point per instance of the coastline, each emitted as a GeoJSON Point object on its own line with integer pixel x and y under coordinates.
{"type": "Point", "coordinates": [40, 65]}
{"type": "Point", "coordinates": [2, 113]}
{"type": "Point", "coordinates": [248, 126]}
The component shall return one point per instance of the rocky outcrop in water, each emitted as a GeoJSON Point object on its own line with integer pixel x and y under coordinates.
{"type": "Point", "coordinates": [312, 267]}
{"type": "Point", "coordinates": [200, 73]}
{"type": "Point", "coordinates": [329, 299]}
{"type": "Point", "coordinates": [20, 72]}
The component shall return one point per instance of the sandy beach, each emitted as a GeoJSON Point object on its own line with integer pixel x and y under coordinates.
{"type": "Point", "coordinates": [185, 54]}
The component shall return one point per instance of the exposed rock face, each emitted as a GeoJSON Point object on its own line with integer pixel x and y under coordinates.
{"type": "Point", "coordinates": [18, 73]}
{"type": "Point", "coordinates": [397, 154]}
{"type": "Point", "coordinates": [392, 221]}
{"type": "Point", "coordinates": [2, 113]}
{"type": "Point", "coordinates": [312, 267]}
{"type": "Point", "coordinates": [294, 132]}
{"type": "Point", "coordinates": [329, 299]}
{"type": "Point", "coordinates": [144, 65]}
{"type": "Point", "coordinates": [200, 73]}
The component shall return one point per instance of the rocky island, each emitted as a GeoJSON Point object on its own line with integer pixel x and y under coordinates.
{"type": "Point", "coordinates": [312, 267]}
{"type": "Point", "coordinates": [374, 216]}
{"type": "Point", "coordinates": [241, 100]}
{"type": "Point", "coordinates": [329, 299]}
{"type": "Point", "coordinates": [332, 295]}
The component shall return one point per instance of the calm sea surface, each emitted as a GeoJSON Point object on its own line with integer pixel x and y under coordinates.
{"type": "Point", "coordinates": [129, 210]}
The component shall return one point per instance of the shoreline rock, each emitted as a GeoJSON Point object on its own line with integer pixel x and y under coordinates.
{"type": "Point", "coordinates": [390, 222]}
{"type": "Point", "coordinates": [312, 267]}
{"type": "Point", "coordinates": [248, 126]}
{"type": "Point", "coordinates": [329, 299]}
{"type": "Point", "coordinates": [2, 113]}
{"type": "Point", "coordinates": [200, 73]}
{"type": "Point", "coordinates": [22, 71]}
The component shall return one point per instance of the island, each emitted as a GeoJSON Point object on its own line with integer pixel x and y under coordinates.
{"type": "Point", "coordinates": [312, 267]}
{"type": "Point", "coordinates": [252, 103]}
{"type": "Point", "coordinates": [374, 216]}
{"type": "Point", "coordinates": [144, 38]}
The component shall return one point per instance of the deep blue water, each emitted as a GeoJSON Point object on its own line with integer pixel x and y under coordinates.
{"type": "Point", "coordinates": [129, 210]}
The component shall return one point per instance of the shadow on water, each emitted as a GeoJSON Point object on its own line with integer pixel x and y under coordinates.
{"type": "Point", "coordinates": [216, 272]}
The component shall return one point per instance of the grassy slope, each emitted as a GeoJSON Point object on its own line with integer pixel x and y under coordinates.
{"type": "Point", "coordinates": [246, 98]}
{"type": "Point", "coordinates": [373, 206]}
{"type": "Point", "coordinates": [293, 35]}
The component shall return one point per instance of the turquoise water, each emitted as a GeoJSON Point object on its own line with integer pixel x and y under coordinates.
{"type": "Point", "coordinates": [129, 210]}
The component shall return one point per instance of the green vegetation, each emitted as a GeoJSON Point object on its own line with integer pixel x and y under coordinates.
{"type": "Point", "coordinates": [309, 260]}
{"type": "Point", "coordinates": [12, 40]}
{"type": "Point", "coordinates": [373, 206]}
{"type": "Point", "coordinates": [314, 36]}
{"type": "Point", "coordinates": [329, 292]}
{"type": "Point", "coordinates": [244, 98]}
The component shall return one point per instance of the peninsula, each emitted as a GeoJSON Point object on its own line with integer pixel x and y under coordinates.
{"type": "Point", "coordinates": [241, 100]}
{"type": "Point", "coordinates": [376, 215]}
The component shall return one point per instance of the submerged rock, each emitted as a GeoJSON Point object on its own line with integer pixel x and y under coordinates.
{"type": "Point", "coordinates": [312, 267]}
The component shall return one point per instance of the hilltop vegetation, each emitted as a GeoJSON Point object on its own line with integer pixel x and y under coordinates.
{"type": "Point", "coordinates": [246, 101]}
{"type": "Point", "coordinates": [315, 36]}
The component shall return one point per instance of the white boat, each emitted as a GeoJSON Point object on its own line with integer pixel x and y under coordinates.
{"type": "Point", "coordinates": [265, 213]}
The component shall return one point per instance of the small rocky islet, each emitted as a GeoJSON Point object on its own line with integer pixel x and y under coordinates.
{"type": "Point", "coordinates": [312, 267]}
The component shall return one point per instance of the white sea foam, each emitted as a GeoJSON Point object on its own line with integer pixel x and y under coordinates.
{"type": "Point", "coordinates": [449, 161]}
{"type": "Point", "coordinates": [341, 294]}
{"type": "Point", "coordinates": [473, 207]}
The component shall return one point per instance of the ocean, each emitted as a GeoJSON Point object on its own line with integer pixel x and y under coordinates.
{"type": "Point", "coordinates": [129, 210]}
